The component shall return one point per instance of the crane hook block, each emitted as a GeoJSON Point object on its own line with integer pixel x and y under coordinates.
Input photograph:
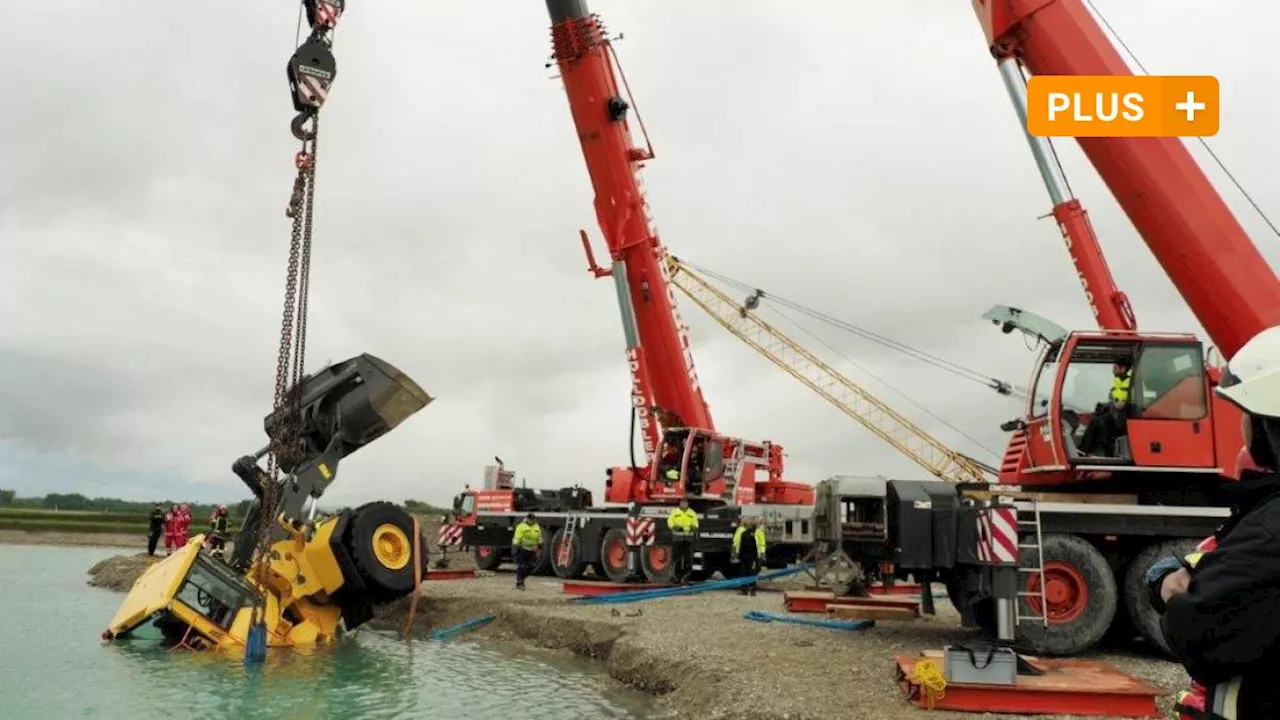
{"type": "Point", "coordinates": [311, 72]}
{"type": "Point", "coordinates": [323, 13]}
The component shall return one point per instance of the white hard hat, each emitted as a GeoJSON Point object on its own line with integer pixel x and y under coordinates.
{"type": "Point", "coordinates": [1252, 378]}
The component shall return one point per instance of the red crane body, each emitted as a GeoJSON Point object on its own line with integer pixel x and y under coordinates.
{"type": "Point", "coordinates": [1203, 249]}
{"type": "Point", "coordinates": [613, 162]}
{"type": "Point", "coordinates": [1178, 433]}
{"type": "Point", "coordinates": [712, 469]}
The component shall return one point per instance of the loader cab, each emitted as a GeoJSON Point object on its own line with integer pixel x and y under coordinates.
{"type": "Point", "coordinates": [690, 464]}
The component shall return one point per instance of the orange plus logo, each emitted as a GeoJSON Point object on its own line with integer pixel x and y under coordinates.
{"type": "Point", "coordinates": [1122, 106]}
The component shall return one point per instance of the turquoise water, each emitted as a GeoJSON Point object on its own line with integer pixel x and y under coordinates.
{"type": "Point", "coordinates": [52, 666]}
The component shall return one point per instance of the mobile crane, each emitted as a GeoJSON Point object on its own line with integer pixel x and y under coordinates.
{"type": "Point", "coordinates": [1087, 527]}
{"type": "Point", "coordinates": [685, 456]}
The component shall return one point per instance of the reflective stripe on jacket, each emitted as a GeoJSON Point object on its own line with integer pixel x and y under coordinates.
{"type": "Point", "coordinates": [528, 535]}
{"type": "Point", "coordinates": [1120, 387]}
{"type": "Point", "coordinates": [683, 520]}
{"type": "Point", "coordinates": [737, 539]}
{"type": "Point", "coordinates": [672, 475]}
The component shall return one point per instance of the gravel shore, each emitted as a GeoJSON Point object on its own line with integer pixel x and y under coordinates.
{"type": "Point", "coordinates": [697, 653]}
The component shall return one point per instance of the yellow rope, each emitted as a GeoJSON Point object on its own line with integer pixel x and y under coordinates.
{"type": "Point", "coordinates": [928, 674]}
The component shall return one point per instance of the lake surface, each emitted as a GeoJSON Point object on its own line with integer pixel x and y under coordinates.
{"type": "Point", "coordinates": [53, 666]}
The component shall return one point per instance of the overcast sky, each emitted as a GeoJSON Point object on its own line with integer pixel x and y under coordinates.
{"type": "Point", "coordinates": [858, 157]}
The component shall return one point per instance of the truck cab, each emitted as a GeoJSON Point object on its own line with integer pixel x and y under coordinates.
{"type": "Point", "coordinates": [1172, 422]}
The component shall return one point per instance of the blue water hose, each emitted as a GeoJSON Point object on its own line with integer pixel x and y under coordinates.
{"type": "Point", "coordinates": [640, 595]}
{"type": "Point", "coordinates": [761, 616]}
{"type": "Point", "coordinates": [472, 624]}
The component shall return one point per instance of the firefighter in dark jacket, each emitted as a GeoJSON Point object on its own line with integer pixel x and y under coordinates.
{"type": "Point", "coordinates": [1220, 603]}
{"type": "Point", "coordinates": [156, 528]}
{"type": "Point", "coordinates": [748, 550]}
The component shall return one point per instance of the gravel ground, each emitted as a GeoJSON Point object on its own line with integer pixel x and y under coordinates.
{"type": "Point", "coordinates": [705, 659]}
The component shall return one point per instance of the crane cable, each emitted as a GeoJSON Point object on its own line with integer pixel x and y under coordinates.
{"type": "Point", "coordinates": [757, 295]}
{"type": "Point", "coordinates": [1000, 386]}
{"type": "Point", "coordinates": [311, 71]}
{"type": "Point", "coordinates": [1204, 143]}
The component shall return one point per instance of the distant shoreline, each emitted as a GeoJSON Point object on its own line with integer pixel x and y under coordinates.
{"type": "Point", "coordinates": [75, 539]}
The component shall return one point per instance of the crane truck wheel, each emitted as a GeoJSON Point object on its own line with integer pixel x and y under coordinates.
{"type": "Point", "coordinates": [658, 563]}
{"type": "Point", "coordinates": [1081, 595]}
{"type": "Point", "coordinates": [613, 556]}
{"type": "Point", "coordinates": [566, 556]}
{"type": "Point", "coordinates": [1136, 604]}
{"type": "Point", "coordinates": [542, 561]}
{"type": "Point", "coordinates": [488, 557]}
{"type": "Point", "coordinates": [380, 541]}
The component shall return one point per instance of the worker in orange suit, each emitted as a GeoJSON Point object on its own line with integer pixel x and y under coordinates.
{"type": "Point", "coordinates": [171, 530]}
{"type": "Point", "coordinates": [1219, 603]}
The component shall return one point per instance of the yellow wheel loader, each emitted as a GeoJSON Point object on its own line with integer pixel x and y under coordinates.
{"type": "Point", "coordinates": [317, 577]}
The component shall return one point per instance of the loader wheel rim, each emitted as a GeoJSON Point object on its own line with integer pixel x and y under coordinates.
{"type": "Point", "coordinates": [659, 557]}
{"type": "Point", "coordinates": [1065, 590]}
{"type": "Point", "coordinates": [391, 547]}
{"type": "Point", "coordinates": [616, 554]}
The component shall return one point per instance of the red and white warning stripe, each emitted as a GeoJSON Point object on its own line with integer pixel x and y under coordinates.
{"type": "Point", "coordinates": [312, 89]}
{"type": "Point", "coordinates": [998, 535]}
{"type": "Point", "coordinates": [449, 535]}
{"type": "Point", "coordinates": [640, 531]}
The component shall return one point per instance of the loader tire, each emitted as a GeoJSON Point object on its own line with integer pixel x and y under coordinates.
{"type": "Point", "coordinates": [380, 541]}
{"type": "Point", "coordinates": [1137, 605]}
{"type": "Point", "coordinates": [572, 566]}
{"type": "Point", "coordinates": [1082, 597]}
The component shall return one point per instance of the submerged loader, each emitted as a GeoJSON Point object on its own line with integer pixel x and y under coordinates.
{"type": "Point", "coordinates": [316, 577]}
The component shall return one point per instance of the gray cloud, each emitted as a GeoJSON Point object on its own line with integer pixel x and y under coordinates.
{"type": "Point", "coordinates": [859, 158]}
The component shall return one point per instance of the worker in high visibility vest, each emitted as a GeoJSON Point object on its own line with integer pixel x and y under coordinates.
{"type": "Point", "coordinates": [748, 550]}
{"type": "Point", "coordinates": [525, 544]}
{"type": "Point", "coordinates": [683, 522]}
{"type": "Point", "coordinates": [1109, 422]}
{"type": "Point", "coordinates": [1220, 602]}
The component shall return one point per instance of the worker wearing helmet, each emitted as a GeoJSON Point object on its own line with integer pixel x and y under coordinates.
{"type": "Point", "coordinates": [683, 522]}
{"type": "Point", "coordinates": [218, 531]}
{"type": "Point", "coordinates": [670, 464]}
{"type": "Point", "coordinates": [525, 542]}
{"type": "Point", "coordinates": [1219, 603]}
{"type": "Point", "coordinates": [748, 550]}
{"type": "Point", "coordinates": [1109, 423]}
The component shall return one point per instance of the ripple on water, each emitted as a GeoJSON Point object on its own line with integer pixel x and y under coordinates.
{"type": "Point", "coordinates": [55, 667]}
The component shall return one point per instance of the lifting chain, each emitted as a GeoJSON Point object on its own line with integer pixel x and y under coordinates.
{"type": "Point", "coordinates": [311, 72]}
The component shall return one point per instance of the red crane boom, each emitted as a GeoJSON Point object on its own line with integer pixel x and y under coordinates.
{"type": "Point", "coordinates": [657, 341]}
{"type": "Point", "coordinates": [687, 458]}
{"type": "Point", "coordinates": [1203, 249]}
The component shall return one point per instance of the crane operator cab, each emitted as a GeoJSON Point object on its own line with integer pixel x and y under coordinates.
{"type": "Point", "coordinates": [690, 464]}
{"type": "Point", "coordinates": [1118, 401]}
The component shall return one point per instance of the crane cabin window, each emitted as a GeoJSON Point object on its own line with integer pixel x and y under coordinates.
{"type": "Point", "coordinates": [1045, 378]}
{"type": "Point", "coordinates": [1170, 382]}
{"type": "Point", "coordinates": [1089, 376]}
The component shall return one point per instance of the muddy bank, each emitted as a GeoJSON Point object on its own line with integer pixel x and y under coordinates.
{"type": "Point", "coordinates": [698, 654]}
{"type": "Point", "coordinates": [27, 537]}
{"type": "Point", "coordinates": [119, 572]}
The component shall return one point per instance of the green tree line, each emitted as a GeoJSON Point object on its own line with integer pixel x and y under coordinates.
{"type": "Point", "coordinates": [76, 502]}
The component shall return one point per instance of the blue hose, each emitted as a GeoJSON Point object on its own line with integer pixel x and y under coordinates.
{"type": "Point", "coordinates": [639, 595]}
{"type": "Point", "coordinates": [761, 616]}
{"type": "Point", "coordinates": [468, 625]}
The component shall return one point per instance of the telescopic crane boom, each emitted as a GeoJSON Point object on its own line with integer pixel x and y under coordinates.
{"type": "Point", "coordinates": [1192, 233]}
{"type": "Point", "coordinates": [1174, 425]}
{"type": "Point", "coordinates": [686, 457]}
